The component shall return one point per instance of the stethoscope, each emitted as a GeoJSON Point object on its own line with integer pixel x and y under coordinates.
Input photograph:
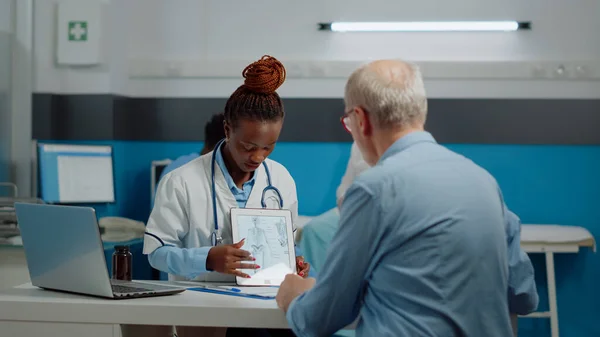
{"type": "Point", "coordinates": [216, 239]}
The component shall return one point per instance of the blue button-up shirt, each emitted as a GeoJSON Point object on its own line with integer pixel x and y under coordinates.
{"type": "Point", "coordinates": [241, 194]}
{"type": "Point", "coordinates": [421, 251]}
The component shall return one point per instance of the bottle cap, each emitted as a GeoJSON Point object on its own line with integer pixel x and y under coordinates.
{"type": "Point", "coordinates": [126, 248]}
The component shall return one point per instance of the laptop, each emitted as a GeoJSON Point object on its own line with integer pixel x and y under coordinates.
{"type": "Point", "coordinates": [64, 252]}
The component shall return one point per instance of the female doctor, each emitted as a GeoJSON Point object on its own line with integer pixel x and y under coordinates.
{"type": "Point", "coordinates": [188, 234]}
{"type": "Point", "coordinates": [189, 231]}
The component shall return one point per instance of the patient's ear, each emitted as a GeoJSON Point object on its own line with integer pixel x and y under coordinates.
{"type": "Point", "coordinates": [363, 121]}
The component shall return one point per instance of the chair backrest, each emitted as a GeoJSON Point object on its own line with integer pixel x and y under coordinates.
{"type": "Point", "coordinates": [156, 169]}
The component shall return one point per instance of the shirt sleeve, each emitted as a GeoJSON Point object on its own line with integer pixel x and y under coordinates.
{"type": "Point", "coordinates": [168, 222]}
{"type": "Point", "coordinates": [167, 225]}
{"type": "Point", "coordinates": [522, 292]}
{"type": "Point", "coordinates": [187, 262]}
{"type": "Point", "coordinates": [335, 300]}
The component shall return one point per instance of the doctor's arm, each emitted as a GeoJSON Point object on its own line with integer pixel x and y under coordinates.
{"type": "Point", "coordinates": [335, 300]}
{"type": "Point", "coordinates": [187, 262]}
{"type": "Point", "coordinates": [169, 222]}
{"type": "Point", "coordinates": [522, 293]}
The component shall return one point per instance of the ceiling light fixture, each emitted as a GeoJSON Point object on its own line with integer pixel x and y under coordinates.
{"type": "Point", "coordinates": [426, 26]}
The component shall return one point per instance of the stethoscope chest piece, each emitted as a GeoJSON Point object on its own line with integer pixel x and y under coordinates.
{"type": "Point", "coordinates": [216, 239]}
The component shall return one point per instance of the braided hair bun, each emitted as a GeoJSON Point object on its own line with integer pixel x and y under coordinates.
{"type": "Point", "coordinates": [264, 76]}
{"type": "Point", "coordinates": [257, 98]}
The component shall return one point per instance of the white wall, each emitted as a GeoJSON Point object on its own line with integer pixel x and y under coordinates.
{"type": "Point", "coordinates": [5, 15]}
{"type": "Point", "coordinates": [18, 46]}
{"type": "Point", "coordinates": [233, 29]}
{"type": "Point", "coordinates": [174, 30]}
{"type": "Point", "coordinates": [5, 78]}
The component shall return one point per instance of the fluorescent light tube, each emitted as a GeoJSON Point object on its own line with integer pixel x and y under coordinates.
{"type": "Point", "coordinates": [426, 26]}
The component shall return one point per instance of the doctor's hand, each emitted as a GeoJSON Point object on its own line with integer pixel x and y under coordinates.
{"type": "Point", "coordinates": [228, 258]}
{"type": "Point", "coordinates": [302, 267]}
{"type": "Point", "coordinates": [292, 287]}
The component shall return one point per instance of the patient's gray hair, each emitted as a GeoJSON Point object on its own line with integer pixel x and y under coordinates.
{"type": "Point", "coordinates": [391, 91]}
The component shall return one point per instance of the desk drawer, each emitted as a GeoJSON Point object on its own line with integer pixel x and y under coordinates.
{"type": "Point", "coordinates": [29, 329]}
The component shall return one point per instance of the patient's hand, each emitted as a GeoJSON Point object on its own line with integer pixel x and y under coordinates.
{"type": "Point", "coordinates": [292, 287]}
{"type": "Point", "coordinates": [302, 267]}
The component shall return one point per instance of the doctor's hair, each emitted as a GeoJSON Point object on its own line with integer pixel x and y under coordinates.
{"type": "Point", "coordinates": [392, 93]}
{"type": "Point", "coordinates": [256, 99]}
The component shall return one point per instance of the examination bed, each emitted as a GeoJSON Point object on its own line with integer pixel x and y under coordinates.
{"type": "Point", "coordinates": [550, 240]}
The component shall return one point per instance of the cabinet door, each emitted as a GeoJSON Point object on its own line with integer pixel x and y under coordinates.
{"type": "Point", "coordinates": [28, 329]}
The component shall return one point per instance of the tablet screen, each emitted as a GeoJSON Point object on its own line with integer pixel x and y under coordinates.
{"type": "Point", "coordinates": [267, 239]}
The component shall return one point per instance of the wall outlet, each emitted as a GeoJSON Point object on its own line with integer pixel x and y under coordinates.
{"type": "Point", "coordinates": [582, 72]}
{"type": "Point", "coordinates": [538, 71]}
{"type": "Point", "coordinates": [560, 72]}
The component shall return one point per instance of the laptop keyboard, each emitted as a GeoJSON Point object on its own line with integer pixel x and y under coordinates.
{"type": "Point", "coordinates": [127, 290]}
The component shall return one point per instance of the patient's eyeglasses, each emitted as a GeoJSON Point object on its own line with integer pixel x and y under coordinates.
{"type": "Point", "coordinates": [345, 119]}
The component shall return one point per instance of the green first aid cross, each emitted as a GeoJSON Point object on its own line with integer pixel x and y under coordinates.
{"type": "Point", "coordinates": [77, 31]}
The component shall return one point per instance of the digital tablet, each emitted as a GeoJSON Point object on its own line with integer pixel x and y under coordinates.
{"type": "Point", "coordinates": [269, 238]}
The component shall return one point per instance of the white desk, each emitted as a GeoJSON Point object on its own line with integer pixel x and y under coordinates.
{"type": "Point", "coordinates": [29, 311]}
{"type": "Point", "coordinates": [551, 239]}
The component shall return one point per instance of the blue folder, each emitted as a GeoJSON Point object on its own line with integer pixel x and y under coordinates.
{"type": "Point", "coordinates": [232, 293]}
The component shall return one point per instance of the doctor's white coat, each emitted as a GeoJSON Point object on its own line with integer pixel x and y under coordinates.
{"type": "Point", "coordinates": [183, 209]}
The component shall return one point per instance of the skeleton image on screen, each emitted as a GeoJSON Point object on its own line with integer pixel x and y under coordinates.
{"type": "Point", "coordinates": [259, 247]}
{"type": "Point", "coordinates": [283, 240]}
{"type": "Point", "coordinates": [266, 239]}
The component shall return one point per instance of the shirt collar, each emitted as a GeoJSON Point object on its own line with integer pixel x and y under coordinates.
{"type": "Point", "coordinates": [221, 162]}
{"type": "Point", "coordinates": [406, 142]}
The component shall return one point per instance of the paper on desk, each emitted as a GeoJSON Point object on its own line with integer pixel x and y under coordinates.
{"type": "Point", "coordinates": [275, 272]}
{"type": "Point", "coordinates": [270, 291]}
{"type": "Point", "coordinates": [260, 291]}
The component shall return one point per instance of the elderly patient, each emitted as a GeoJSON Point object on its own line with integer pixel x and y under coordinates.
{"type": "Point", "coordinates": [421, 248]}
